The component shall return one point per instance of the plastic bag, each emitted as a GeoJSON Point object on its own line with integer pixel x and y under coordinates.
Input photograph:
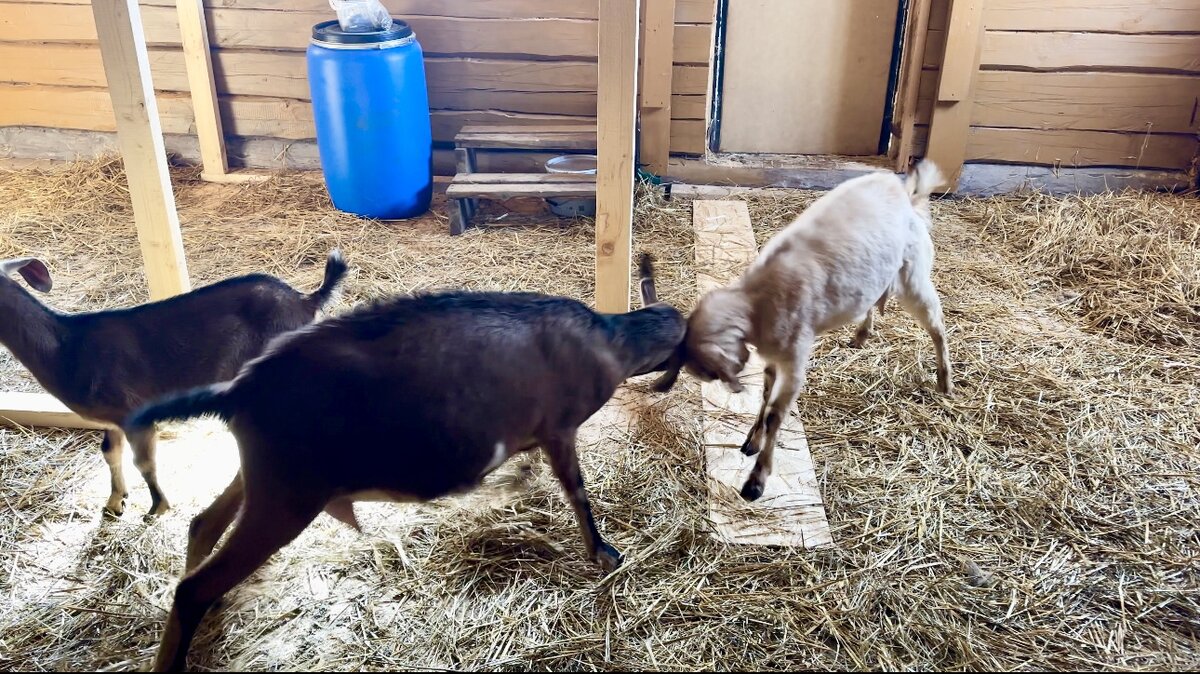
{"type": "Point", "coordinates": [361, 16]}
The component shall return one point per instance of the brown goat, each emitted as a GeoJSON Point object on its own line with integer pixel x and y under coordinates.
{"type": "Point", "coordinates": [105, 364]}
{"type": "Point", "coordinates": [410, 399]}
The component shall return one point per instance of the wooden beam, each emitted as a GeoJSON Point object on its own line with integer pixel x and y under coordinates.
{"type": "Point", "coordinates": [790, 511]}
{"type": "Point", "coordinates": [127, 69]}
{"type": "Point", "coordinates": [916, 36]}
{"type": "Point", "coordinates": [40, 409]}
{"type": "Point", "coordinates": [616, 119]}
{"type": "Point", "coordinates": [956, 90]}
{"type": "Point", "coordinates": [198, 61]}
{"type": "Point", "coordinates": [656, 85]}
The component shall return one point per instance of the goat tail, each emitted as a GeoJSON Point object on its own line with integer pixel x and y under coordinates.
{"type": "Point", "coordinates": [646, 274]}
{"type": "Point", "coordinates": [214, 400]}
{"type": "Point", "coordinates": [335, 270]}
{"type": "Point", "coordinates": [922, 180]}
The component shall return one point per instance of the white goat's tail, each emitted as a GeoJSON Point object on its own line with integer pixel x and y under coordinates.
{"type": "Point", "coordinates": [922, 180]}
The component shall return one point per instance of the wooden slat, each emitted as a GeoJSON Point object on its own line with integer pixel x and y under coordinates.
{"type": "Point", "coordinates": [1091, 51]}
{"type": "Point", "coordinates": [958, 69]}
{"type": "Point", "coordinates": [561, 38]}
{"type": "Point", "coordinates": [915, 37]}
{"type": "Point", "coordinates": [40, 409]}
{"type": "Point", "coordinates": [514, 191]}
{"type": "Point", "coordinates": [127, 68]}
{"type": "Point", "coordinates": [1118, 16]}
{"type": "Point", "coordinates": [686, 11]}
{"type": "Point", "coordinates": [951, 116]}
{"type": "Point", "coordinates": [616, 118]}
{"type": "Point", "coordinates": [523, 178]}
{"type": "Point", "coordinates": [535, 139]}
{"type": "Point", "coordinates": [790, 511]}
{"type": "Point", "coordinates": [1096, 101]}
{"type": "Point", "coordinates": [656, 84]}
{"type": "Point", "coordinates": [1081, 148]}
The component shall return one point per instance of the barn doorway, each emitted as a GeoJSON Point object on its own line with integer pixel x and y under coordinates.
{"type": "Point", "coordinates": [837, 102]}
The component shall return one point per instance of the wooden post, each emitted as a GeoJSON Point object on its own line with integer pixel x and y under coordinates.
{"type": "Point", "coordinates": [657, 61]}
{"type": "Point", "coordinates": [951, 120]}
{"type": "Point", "coordinates": [127, 67]}
{"type": "Point", "coordinates": [916, 36]}
{"type": "Point", "coordinates": [615, 119]}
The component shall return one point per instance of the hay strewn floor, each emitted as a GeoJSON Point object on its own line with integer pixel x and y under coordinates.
{"type": "Point", "coordinates": [1046, 517]}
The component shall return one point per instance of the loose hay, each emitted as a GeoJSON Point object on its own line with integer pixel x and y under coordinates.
{"type": "Point", "coordinates": [1046, 517]}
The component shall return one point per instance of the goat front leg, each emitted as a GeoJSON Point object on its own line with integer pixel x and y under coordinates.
{"type": "Point", "coordinates": [145, 448]}
{"type": "Point", "coordinates": [565, 462]}
{"type": "Point", "coordinates": [265, 526]}
{"type": "Point", "coordinates": [112, 447]}
{"type": "Point", "coordinates": [752, 444]}
{"type": "Point", "coordinates": [789, 381]}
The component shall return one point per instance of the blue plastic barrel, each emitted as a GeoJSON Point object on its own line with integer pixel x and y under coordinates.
{"type": "Point", "coordinates": [371, 110]}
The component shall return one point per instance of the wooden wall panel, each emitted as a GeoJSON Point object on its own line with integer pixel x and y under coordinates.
{"type": "Point", "coordinates": [510, 60]}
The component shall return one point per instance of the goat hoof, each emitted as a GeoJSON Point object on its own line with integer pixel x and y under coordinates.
{"type": "Point", "coordinates": [608, 557]}
{"type": "Point", "coordinates": [748, 448]}
{"type": "Point", "coordinates": [114, 510]}
{"type": "Point", "coordinates": [753, 489]}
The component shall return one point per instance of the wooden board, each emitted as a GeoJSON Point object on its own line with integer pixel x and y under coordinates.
{"type": "Point", "coordinates": [655, 140]}
{"type": "Point", "coordinates": [806, 76]}
{"type": "Point", "coordinates": [908, 89]}
{"type": "Point", "coordinates": [1095, 101]}
{"type": "Point", "coordinates": [1115, 16]}
{"type": "Point", "coordinates": [203, 88]}
{"type": "Point", "coordinates": [951, 117]}
{"type": "Point", "coordinates": [40, 409]}
{"type": "Point", "coordinates": [139, 134]}
{"type": "Point", "coordinates": [1059, 147]}
{"type": "Point", "coordinates": [686, 11]}
{"type": "Point", "coordinates": [558, 38]}
{"type": "Point", "coordinates": [1091, 51]}
{"type": "Point", "coordinates": [616, 132]}
{"type": "Point", "coordinates": [790, 511]}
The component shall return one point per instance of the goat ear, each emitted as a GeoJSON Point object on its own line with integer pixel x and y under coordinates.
{"type": "Point", "coordinates": [32, 270]}
{"type": "Point", "coordinates": [732, 381]}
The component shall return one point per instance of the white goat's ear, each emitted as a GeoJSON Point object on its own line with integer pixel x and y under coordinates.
{"type": "Point", "coordinates": [32, 270]}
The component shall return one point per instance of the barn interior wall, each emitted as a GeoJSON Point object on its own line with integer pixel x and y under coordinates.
{"type": "Point", "coordinates": [503, 61]}
{"type": "Point", "coordinates": [1079, 83]}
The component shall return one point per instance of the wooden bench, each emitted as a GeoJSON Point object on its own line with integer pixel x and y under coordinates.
{"type": "Point", "coordinates": [467, 187]}
{"type": "Point", "coordinates": [470, 185]}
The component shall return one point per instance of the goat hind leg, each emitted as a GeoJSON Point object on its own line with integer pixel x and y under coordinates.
{"type": "Point", "coordinates": [920, 300]}
{"type": "Point", "coordinates": [262, 529]}
{"type": "Point", "coordinates": [206, 528]}
{"type": "Point", "coordinates": [145, 449]}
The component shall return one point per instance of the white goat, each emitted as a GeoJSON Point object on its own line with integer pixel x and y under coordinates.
{"type": "Point", "coordinates": [850, 250]}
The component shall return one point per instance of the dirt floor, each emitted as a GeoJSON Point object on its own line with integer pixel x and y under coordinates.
{"type": "Point", "coordinates": [1046, 517]}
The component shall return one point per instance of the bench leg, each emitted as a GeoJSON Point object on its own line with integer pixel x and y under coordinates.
{"type": "Point", "coordinates": [460, 216]}
{"type": "Point", "coordinates": [467, 164]}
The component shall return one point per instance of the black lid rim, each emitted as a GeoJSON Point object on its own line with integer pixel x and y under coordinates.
{"type": "Point", "coordinates": [330, 32]}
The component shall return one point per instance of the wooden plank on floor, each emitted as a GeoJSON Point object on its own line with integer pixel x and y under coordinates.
{"type": "Point", "coordinates": [790, 511]}
{"type": "Point", "coordinates": [40, 409]}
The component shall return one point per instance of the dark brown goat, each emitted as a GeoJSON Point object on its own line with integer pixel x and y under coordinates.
{"type": "Point", "coordinates": [406, 400]}
{"type": "Point", "coordinates": [104, 365]}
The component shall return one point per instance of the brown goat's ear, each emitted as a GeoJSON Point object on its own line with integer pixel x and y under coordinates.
{"type": "Point", "coordinates": [732, 381]}
{"type": "Point", "coordinates": [32, 270]}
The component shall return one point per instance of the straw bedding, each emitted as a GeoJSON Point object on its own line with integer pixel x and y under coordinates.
{"type": "Point", "coordinates": [1045, 517]}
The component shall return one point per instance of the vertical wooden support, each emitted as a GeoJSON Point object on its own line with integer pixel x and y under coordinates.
{"type": "Point", "coordinates": [616, 113]}
{"type": "Point", "coordinates": [916, 36]}
{"type": "Point", "coordinates": [197, 57]}
{"type": "Point", "coordinates": [127, 67]}
{"type": "Point", "coordinates": [657, 61]}
{"type": "Point", "coordinates": [951, 120]}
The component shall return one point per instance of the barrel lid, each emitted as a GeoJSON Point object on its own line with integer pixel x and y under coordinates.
{"type": "Point", "coordinates": [330, 32]}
